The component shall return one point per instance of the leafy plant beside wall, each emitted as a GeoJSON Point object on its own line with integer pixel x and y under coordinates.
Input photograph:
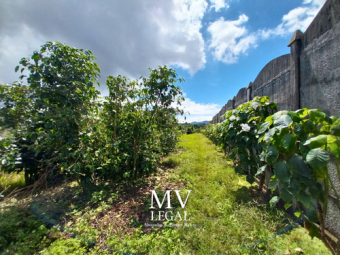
{"type": "Point", "coordinates": [297, 146]}
{"type": "Point", "coordinates": [237, 134]}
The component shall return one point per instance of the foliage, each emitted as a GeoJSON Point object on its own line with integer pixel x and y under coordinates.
{"type": "Point", "coordinates": [48, 113]}
{"type": "Point", "coordinates": [61, 126]}
{"type": "Point", "coordinates": [21, 232]}
{"type": "Point", "coordinates": [237, 134]}
{"type": "Point", "coordinates": [296, 145]}
{"type": "Point", "coordinates": [220, 206]}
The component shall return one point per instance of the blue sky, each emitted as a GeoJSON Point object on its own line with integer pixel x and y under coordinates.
{"type": "Point", "coordinates": [217, 46]}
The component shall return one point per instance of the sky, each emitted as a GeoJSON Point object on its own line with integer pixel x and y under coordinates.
{"type": "Point", "coordinates": [217, 46]}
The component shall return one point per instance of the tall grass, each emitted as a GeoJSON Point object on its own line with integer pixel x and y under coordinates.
{"type": "Point", "coordinates": [11, 181]}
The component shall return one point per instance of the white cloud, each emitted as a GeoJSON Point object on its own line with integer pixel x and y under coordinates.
{"type": "Point", "coordinates": [296, 19]}
{"type": "Point", "coordinates": [197, 111]}
{"type": "Point", "coordinates": [230, 38]}
{"type": "Point", "coordinates": [127, 37]}
{"type": "Point", "coordinates": [218, 4]}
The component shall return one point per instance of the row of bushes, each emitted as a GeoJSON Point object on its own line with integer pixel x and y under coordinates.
{"type": "Point", "coordinates": [61, 125]}
{"type": "Point", "coordinates": [295, 145]}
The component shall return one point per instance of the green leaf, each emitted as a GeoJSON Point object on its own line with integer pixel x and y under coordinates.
{"type": "Point", "coordinates": [317, 115]}
{"type": "Point", "coordinates": [305, 199]}
{"type": "Point", "coordinates": [260, 170]}
{"type": "Point", "coordinates": [250, 179]}
{"type": "Point", "coordinates": [283, 121]}
{"type": "Point", "coordinates": [298, 166]}
{"type": "Point", "coordinates": [317, 158]}
{"type": "Point", "coordinates": [299, 130]}
{"type": "Point", "coordinates": [303, 148]}
{"type": "Point", "coordinates": [335, 128]}
{"type": "Point", "coordinates": [245, 166]}
{"type": "Point", "coordinates": [309, 126]}
{"type": "Point", "coordinates": [286, 194]}
{"type": "Point", "coordinates": [294, 184]}
{"type": "Point", "coordinates": [263, 127]}
{"type": "Point", "coordinates": [255, 105]}
{"type": "Point", "coordinates": [273, 184]}
{"type": "Point", "coordinates": [335, 148]}
{"type": "Point", "coordinates": [297, 214]}
{"type": "Point", "coordinates": [288, 142]}
{"type": "Point", "coordinates": [278, 115]}
{"type": "Point", "coordinates": [271, 155]}
{"type": "Point", "coordinates": [274, 201]}
{"type": "Point", "coordinates": [269, 119]}
{"type": "Point", "coordinates": [317, 142]}
{"type": "Point", "coordinates": [16, 69]}
{"type": "Point", "coordinates": [281, 171]}
{"type": "Point", "coordinates": [302, 112]}
{"type": "Point", "coordinates": [287, 205]}
{"type": "Point", "coordinates": [268, 136]}
{"type": "Point", "coordinates": [295, 116]}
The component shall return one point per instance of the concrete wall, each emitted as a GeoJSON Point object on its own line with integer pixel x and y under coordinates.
{"type": "Point", "coordinates": [307, 77]}
{"type": "Point", "coordinates": [241, 97]}
{"type": "Point", "coordinates": [275, 80]}
{"type": "Point", "coordinates": [320, 73]}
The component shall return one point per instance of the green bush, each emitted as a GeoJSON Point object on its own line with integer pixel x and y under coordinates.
{"type": "Point", "coordinates": [61, 126]}
{"type": "Point", "coordinates": [296, 145]}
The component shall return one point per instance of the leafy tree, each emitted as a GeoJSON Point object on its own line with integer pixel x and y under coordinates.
{"type": "Point", "coordinates": [48, 112]}
{"type": "Point", "coordinates": [60, 124]}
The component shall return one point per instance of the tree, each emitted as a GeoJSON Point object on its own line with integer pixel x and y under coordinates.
{"type": "Point", "coordinates": [49, 111]}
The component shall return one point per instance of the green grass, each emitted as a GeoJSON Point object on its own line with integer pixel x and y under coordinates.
{"type": "Point", "coordinates": [227, 217]}
{"type": "Point", "coordinates": [11, 181]}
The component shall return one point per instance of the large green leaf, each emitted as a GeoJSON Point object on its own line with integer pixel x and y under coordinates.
{"type": "Point", "coordinates": [283, 121]}
{"type": "Point", "coordinates": [255, 105]}
{"type": "Point", "coordinates": [317, 115]}
{"type": "Point", "coordinates": [305, 199]}
{"type": "Point", "coordinates": [273, 184]}
{"type": "Point", "coordinates": [281, 171]}
{"type": "Point", "coordinates": [272, 155]}
{"type": "Point", "coordinates": [335, 128]}
{"type": "Point", "coordinates": [286, 194]}
{"type": "Point", "coordinates": [295, 116]}
{"type": "Point", "coordinates": [263, 127]}
{"type": "Point", "coordinates": [309, 126]}
{"type": "Point", "coordinates": [269, 135]}
{"type": "Point", "coordinates": [317, 142]}
{"type": "Point", "coordinates": [317, 158]}
{"type": "Point", "coordinates": [298, 165]}
{"type": "Point", "coordinates": [334, 148]}
{"type": "Point", "coordinates": [278, 115]}
{"type": "Point", "coordinates": [295, 186]}
{"type": "Point", "coordinates": [288, 142]}
{"type": "Point", "coordinates": [299, 130]}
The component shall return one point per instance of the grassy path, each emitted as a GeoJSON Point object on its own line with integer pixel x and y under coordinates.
{"type": "Point", "coordinates": [227, 217]}
{"type": "Point", "coordinates": [224, 214]}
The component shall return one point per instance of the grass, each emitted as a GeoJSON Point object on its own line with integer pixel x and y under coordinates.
{"type": "Point", "coordinates": [11, 181]}
{"type": "Point", "coordinates": [222, 206]}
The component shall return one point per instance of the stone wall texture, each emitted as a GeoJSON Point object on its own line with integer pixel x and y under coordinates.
{"type": "Point", "coordinates": [307, 77]}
